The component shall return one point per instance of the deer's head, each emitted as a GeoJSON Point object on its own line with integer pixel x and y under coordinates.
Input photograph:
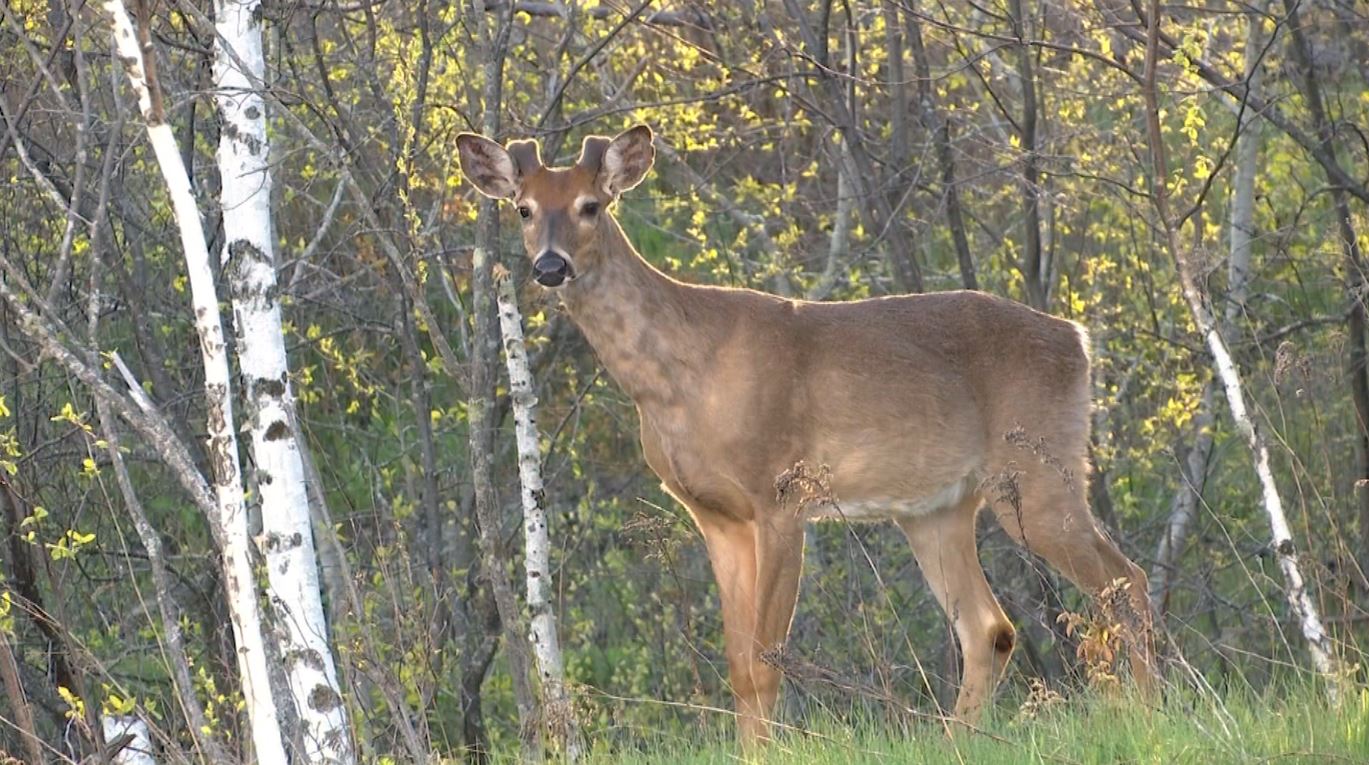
{"type": "Point", "coordinates": [565, 211]}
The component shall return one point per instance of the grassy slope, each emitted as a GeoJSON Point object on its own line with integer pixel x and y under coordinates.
{"type": "Point", "coordinates": [1292, 728]}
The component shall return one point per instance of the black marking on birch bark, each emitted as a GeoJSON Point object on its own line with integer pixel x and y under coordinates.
{"type": "Point", "coordinates": [252, 142]}
{"type": "Point", "coordinates": [275, 541]}
{"type": "Point", "coordinates": [306, 656]}
{"type": "Point", "coordinates": [1286, 547]}
{"type": "Point", "coordinates": [264, 478]}
{"type": "Point", "coordinates": [271, 387]}
{"type": "Point", "coordinates": [277, 430]}
{"type": "Point", "coordinates": [324, 699]}
{"type": "Point", "coordinates": [243, 255]}
{"type": "Point", "coordinates": [241, 248]}
{"type": "Point", "coordinates": [252, 112]}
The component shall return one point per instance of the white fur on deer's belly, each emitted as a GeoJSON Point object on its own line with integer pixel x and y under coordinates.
{"type": "Point", "coordinates": [874, 508]}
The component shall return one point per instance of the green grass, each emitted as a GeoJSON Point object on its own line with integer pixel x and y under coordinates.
{"type": "Point", "coordinates": [1291, 727]}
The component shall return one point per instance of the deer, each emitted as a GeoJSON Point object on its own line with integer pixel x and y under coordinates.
{"type": "Point", "coordinates": [920, 409]}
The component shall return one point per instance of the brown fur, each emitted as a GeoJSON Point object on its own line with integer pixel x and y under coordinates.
{"type": "Point", "coordinates": [922, 402]}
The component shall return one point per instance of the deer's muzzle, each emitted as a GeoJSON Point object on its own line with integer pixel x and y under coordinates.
{"type": "Point", "coordinates": [551, 269]}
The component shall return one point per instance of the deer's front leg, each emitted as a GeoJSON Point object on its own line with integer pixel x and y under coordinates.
{"type": "Point", "coordinates": [758, 568]}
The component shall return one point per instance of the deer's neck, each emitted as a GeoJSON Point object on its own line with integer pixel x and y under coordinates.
{"type": "Point", "coordinates": [647, 329]}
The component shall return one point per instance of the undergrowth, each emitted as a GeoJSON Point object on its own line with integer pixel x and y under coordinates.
{"type": "Point", "coordinates": [1290, 725]}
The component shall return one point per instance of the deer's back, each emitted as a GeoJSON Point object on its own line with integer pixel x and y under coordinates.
{"type": "Point", "coordinates": [906, 396]}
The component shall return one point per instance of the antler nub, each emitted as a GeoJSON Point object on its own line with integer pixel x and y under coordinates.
{"type": "Point", "coordinates": [526, 155]}
{"type": "Point", "coordinates": [592, 153]}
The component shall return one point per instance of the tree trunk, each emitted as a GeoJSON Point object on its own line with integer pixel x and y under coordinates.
{"type": "Point", "coordinates": [558, 712]}
{"type": "Point", "coordinates": [484, 352]}
{"type": "Point", "coordinates": [1034, 277]}
{"type": "Point", "coordinates": [480, 644]}
{"type": "Point", "coordinates": [1318, 642]}
{"type": "Point", "coordinates": [1183, 508]}
{"type": "Point", "coordinates": [1357, 375]}
{"type": "Point", "coordinates": [249, 262]}
{"type": "Point", "coordinates": [880, 214]}
{"type": "Point", "coordinates": [936, 125]}
{"type": "Point", "coordinates": [231, 519]}
{"type": "Point", "coordinates": [19, 704]}
{"type": "Point", "coordinates": [484, 355]}
{"type": "Point", "coordinates": [167, 609]}
{"type": "Point", "coordinates": [839, 243]}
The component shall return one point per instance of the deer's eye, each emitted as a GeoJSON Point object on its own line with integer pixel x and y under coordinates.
{"type": "Point", "coordinates": [590, 209]}
{"type": "Point", "coordinates": [523, 211]}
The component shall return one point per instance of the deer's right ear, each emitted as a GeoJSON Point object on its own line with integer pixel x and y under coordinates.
{"type": "Point", "coordinates": [487, 166]}
{"type": "Point", "coordinates": [627, 159]}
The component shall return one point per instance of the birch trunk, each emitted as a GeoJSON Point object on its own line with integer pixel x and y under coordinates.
{"type": "Point", "coordinates": [1295, 590]}
{"type": "Point", "coordinates": [1183, 508]}
{"type": "Point", "coordinates": [558, 714]}
{"type": "Point", "coordinates": [484, 357]}
{"type": "Point", "coordinates": [138, 750]}
{"type": "Point", "coordinates": [484, 353]}
{"type": "Point", "coordinates": [287, 540]}
{"type": "Point", "coordinates": [231, 519]}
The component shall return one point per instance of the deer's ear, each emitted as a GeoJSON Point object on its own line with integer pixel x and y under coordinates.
{"type": "Point", "coordinates": [487, 166]}
{"type": "Point", "coordinates": [627, 160]}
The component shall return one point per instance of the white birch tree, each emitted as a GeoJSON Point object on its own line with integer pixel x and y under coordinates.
{"type": "Point", "coordinates": [1183, 508]}
{"type": "Point", "coordinates": [1295, 588]}
{"type": "Point", "coordinates": [287, 540]}
{"type": "Point", "coordinates": [263, 718]}
{"type": "Point", "coordinates": [558, 713]}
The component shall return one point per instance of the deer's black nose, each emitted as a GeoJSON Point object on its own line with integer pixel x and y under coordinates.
{"type": "Point", "coordinates": [550, 269]}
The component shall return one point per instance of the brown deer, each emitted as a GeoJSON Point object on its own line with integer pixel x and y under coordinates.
{"type": "Point", "coordinates": [919, 409]}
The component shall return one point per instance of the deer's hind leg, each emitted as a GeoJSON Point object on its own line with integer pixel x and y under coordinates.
{"type": "Point", "coordinates": [1046, 511]}
{"type": "Point", "coordinates": [944, 544]}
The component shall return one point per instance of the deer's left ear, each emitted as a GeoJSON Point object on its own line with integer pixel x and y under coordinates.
{"type": "Point", "coordinates": [627, 160]}
{"type": "Point", "coordinates": [487, 166]}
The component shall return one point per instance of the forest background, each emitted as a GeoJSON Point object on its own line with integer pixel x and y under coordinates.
{"type": "Point", "coordinates": [823, 150]}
